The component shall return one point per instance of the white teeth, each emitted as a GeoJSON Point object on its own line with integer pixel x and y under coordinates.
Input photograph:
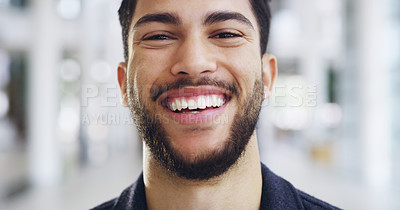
{"type": "Point", "coordinates": [208, 101]}
{"type": "Point", "coordinates": [173, 106]}
{"type": "Point", "coordinates": [178, 104]}
{"type": "Point", "coordinates": [200, 102]}
{"type": "Point", "coordinates": [214, 100]}
{"type": "Point", "coordinates": [184, 104]}
{"type": "Point", "coordinates": [192, 104]}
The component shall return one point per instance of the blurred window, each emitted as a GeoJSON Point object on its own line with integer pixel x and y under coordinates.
{"type": "Point", "coordinates": [69, 9]}
{"type": "Point", "coordinates": [20, 4]}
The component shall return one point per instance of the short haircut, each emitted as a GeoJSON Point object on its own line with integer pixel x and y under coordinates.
{"type": "Point", "coordinates": [261, 10]}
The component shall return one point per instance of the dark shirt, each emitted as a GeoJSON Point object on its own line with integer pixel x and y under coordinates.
{"type": "Point", "coordinates": [277, 193]}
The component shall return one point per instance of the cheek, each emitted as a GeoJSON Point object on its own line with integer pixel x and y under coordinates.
{"type": "Point", "coordinates": [139, 78]}
{"type": "Point", "coordinates": [245, 67]}
{"type": "Point", "coordinates": [150, 63]}
{"type": "Point", "coordinates": [147, 69]}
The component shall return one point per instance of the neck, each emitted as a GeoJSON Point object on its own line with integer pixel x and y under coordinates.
{"type": "Point", "coordinates": [238, 188]}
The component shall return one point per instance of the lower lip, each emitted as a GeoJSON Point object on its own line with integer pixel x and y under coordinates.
{"type": "Point", "coordinates": [195, 118]}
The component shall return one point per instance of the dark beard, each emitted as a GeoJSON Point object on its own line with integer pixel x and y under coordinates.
{"type": "Point", "coordinates": [204, 166]}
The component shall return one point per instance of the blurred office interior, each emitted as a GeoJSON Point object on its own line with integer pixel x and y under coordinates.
{"type": "Point", "coordinates": [330, 126]}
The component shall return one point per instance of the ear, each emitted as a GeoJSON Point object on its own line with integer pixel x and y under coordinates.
{"type": "Point", "coordinates": [122, 83]}
{"type": "Point", "coordinates": [270, 71]}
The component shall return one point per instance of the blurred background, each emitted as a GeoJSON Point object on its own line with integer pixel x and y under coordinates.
{"type": "Point", "coordinates": [330, 126]}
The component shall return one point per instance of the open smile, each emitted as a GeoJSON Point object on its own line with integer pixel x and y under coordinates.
{"type": "Point", "coordinates": [195, 104]}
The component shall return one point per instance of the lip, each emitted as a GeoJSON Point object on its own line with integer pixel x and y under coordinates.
{"type": "Point", "coordinates": [194, 117]}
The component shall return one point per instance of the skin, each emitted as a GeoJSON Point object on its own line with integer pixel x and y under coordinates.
{"type": "Point", "coordinates": [193, 50]}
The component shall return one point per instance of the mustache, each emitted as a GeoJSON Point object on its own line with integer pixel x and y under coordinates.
{"type": "Point", "coordinates": [157, 90]}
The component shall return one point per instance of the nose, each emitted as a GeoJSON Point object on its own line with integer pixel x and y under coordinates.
{"type": "Point", "coordinates": [194, 58]}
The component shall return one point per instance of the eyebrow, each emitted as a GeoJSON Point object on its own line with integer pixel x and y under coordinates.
{"type": "Point", "coordinates": [214, 17]}
{"type": "Point", "coordinates": [221, 16]}
{"type": "Point", "coordinates": [168, 18]}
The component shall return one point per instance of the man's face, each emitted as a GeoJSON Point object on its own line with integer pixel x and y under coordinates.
{"type": "Point", "coordinates": [194, 82]}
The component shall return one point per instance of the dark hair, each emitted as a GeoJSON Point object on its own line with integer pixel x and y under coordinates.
{"type": "Point", "coordinates": [261, 9]}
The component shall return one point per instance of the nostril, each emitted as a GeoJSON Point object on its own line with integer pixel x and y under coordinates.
{"type": "Point", "coordinates": [183, 73]}
{"type": "Point", "coordinates": [207, 71]}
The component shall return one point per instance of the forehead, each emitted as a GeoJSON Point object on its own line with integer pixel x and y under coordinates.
{"type": "Point", "coordinates": [192, 10]}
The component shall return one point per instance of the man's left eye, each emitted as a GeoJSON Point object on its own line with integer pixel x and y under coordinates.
{"type": "Point", "coordinates": [226, 35]}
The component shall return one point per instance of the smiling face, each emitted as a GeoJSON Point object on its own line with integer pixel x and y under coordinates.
{"type": "Point", "coordinates": [194, 82]}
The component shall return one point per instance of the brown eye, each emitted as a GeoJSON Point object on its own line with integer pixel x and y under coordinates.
{"type": "Point", "coordinates": [157, 40]}
{"type": "Point", "coordinates": [158, 37]}
{"type": "Point", "coordinates": [226, 35]}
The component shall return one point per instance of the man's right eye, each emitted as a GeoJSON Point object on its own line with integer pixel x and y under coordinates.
{"type": "Point", "coordinates": [157, 40]}
{"type": "Point", "coordinates": [157, 37]}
